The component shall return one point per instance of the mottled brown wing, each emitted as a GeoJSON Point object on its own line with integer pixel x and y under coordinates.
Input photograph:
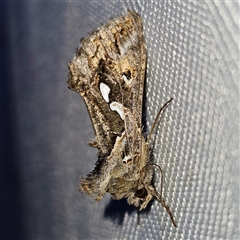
{"type": "Point", "coordinates": [113, 56]}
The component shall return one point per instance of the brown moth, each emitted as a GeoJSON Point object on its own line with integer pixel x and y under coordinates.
{"type": "Point", "coordinates": [108, 72]}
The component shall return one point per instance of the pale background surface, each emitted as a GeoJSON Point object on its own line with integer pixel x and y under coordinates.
{"type": "Point", "coordinates": [193, 55]}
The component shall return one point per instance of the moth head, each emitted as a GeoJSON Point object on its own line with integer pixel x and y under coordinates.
{"type": "Point", "coordinates": [143, 193]}
{"type": "Point", "coordinates": [141, 196]}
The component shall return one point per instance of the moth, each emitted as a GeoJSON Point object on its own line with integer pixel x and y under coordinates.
{"type": "Point", "coordinates": [108, 72]}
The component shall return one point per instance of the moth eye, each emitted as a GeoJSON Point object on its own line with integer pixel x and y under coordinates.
{"type": "Point", "coordinates": [141, 193]}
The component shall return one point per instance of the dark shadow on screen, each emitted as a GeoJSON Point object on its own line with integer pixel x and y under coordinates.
{"type": "Point", "coordinates": [116, 210]}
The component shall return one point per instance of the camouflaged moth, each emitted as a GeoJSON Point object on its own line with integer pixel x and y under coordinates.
{"type": "Point", "coordinates": [108, 72]}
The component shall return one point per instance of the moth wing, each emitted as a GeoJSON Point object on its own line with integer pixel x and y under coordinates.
{"type": "Point", "coordinates": [108, 72]}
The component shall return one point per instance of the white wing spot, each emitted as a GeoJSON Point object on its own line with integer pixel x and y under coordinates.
{"type": "Point", "coordinates": [126, 80]}
{"type": "Point", "coordinates": [105, 90]}
{"type": "Point", "coordinates": [127, 159]}
{"type": "Point", "coordinates": [118, 107]}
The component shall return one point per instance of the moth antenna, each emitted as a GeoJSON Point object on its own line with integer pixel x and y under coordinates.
{"type": "Point", "coordinates": [162, 177]}
{"type": "Point", "coordinates": [159, 197]}
{"type": "Point", "coordinates": [161, 200]}
{"type": "Point", "coordinates": [156, 119]}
